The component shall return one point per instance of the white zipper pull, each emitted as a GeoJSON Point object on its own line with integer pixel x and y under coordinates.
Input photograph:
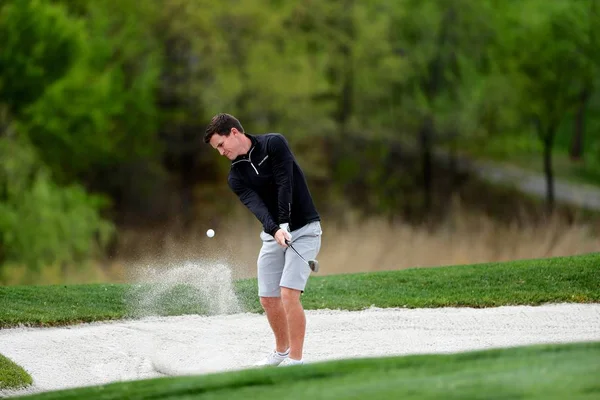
{"type": "Point", "coordinates": [250, 160]}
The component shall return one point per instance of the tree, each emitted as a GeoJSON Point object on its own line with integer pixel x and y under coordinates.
{"type": "Point", "coordinates": [41, 221]}
{"type": "Point", "coordinates": [103, 115]}
{"type": "Point", "coordinates": [444, 49]}
{"type": "Point", "coordinates": [251, 59]}
{"type": "Point", "coordinates": [588, 45]}
{"type": "Point", "coordinates": [543, 62]}
{"type": "Point", "coordinates": [40, 43]}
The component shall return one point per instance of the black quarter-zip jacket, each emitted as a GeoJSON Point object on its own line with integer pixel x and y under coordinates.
{"type": "Point", "coordinates": [271, 184]}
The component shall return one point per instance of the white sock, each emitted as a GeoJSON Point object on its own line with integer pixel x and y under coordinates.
{"type": "Point", "coordinates": [285, 353]}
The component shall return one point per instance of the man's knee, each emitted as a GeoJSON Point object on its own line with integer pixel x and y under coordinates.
{"type": "Point", "coordinates": [270, 303]}
{"type": "Point", "coordinates": [290, 296]}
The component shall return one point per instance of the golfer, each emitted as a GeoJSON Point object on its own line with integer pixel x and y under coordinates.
{"type": "Point", "coordinates": [267, 179]}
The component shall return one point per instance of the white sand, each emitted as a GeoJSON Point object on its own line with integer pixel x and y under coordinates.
{"type": "Point", "coordinates": [92, 354]}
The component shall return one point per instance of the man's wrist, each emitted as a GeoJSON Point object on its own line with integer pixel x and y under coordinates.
{"type": "Point", "coordinates": [285, 227]}
{"type": "Point", "coordinates": [274, 230]}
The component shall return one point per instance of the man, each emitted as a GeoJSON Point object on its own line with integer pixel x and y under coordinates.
{"type": "Point", "coordinates": [267, 179]}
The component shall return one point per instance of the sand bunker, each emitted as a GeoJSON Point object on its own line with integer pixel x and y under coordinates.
{"type": "Point", "coordinates": [92, 354]}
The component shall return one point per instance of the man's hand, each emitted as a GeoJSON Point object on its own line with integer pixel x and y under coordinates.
{"type": "Point", "coordinates": [282, 235]}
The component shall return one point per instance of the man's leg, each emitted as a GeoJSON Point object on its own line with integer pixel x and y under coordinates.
{"type": "Point", "coordinates": [307, 241]}
{"type": "Point", "coordinates": [276, 316]}
{"type": "Point", "coordinates": [296, 321]}
{"type": "Point", "coordinates": [270, 265]}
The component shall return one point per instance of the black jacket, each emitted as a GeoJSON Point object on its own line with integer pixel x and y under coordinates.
{"type": "Point", "coordinates": [269, 181]}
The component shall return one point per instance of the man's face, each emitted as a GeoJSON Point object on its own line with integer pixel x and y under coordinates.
{"type": "Point", "coordinates": [228, 146]}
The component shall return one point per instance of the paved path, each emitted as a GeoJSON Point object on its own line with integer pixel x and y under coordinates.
{"type": "Point", "coordinates": [533, 183]}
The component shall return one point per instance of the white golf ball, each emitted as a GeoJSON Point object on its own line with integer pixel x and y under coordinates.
{"type": "Point", "coordinates": [210, 233]}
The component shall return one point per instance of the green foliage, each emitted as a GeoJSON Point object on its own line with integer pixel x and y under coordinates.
{"type": "Point", "coordinates": [41, 222]}
{"type": "Point", "coordinates": [39, 44]}
{"type": "Point", "coordinates": [114, 95]}
{"type": "Point", "coordinates": [445, 51]}
{"type": "Point", "coordinates": [103, 113]}
{"type": "Point", "coordinates": [381, 66]}
{"type": "Point", "coordinates": [544, 75]}
{"type": "Point", "coordinates": [244, 60]}
{"type": "Point", "coordinates": [544, 55]}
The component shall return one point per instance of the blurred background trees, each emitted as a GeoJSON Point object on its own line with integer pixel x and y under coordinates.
{"type": "Point", "coordinates": [103, 106]}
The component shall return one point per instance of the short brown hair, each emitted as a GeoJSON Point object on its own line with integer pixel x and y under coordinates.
{"type": "Point", "coordinates": [221, 124]}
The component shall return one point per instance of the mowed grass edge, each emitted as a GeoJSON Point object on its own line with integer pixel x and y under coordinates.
{"type": "Point", "coordinates": [533, 372]}
{"type": "Point", "coordinates": [12, 375]}
{"type": "Point", "coordinates": [572, 279]}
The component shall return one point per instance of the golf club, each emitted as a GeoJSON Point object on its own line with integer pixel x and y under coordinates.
{"type": "Point", "coordinates": [313, 264]}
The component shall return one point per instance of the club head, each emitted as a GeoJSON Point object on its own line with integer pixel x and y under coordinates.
{"type": "Point", "coordinates": [314, 265]}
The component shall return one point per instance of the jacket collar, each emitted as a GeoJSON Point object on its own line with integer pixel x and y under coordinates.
{"type": "Point", "coordinates": [254, 141]}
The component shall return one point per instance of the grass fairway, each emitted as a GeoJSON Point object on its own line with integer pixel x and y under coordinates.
{"type": "Point", "coordinates": [12, 375]}
{"type": "Point", "coordinates": [574, 279]}
{"type": "Point", "coordinates": [536, 372]}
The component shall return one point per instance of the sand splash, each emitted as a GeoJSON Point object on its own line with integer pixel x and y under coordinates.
{"type": "Point", "coordinates": [192, 287]}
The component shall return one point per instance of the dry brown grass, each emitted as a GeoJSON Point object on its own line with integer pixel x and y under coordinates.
{"type": "Point", "coordinates": [466, 239]}
{"type": "Point", "coordinates": [353, 246]}
{"type": "Point", "coordinates": [374, 245]}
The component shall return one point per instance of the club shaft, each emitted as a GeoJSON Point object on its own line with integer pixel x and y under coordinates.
{"type": "Point", "coordinates": [313, 267]}
{"type": "Point", "coordinates": [299, 255]}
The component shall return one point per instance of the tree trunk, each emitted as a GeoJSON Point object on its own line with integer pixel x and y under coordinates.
{"type": "Point", "coordinates": [577, 140]}
{"type": "Point", "coordinates": [548, 140]}
{"type": "Point", "coordinates": [425, 139]}
{"type": "Point", "coordinates": [345, 105]}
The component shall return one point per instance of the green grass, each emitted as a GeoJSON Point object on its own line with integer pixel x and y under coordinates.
{"type": "Point", "coordinates": [573, 279]}
{"type": "Point", "coordinates": [12, 375]}
{"type": "Point", "coordinates": [535, 372]}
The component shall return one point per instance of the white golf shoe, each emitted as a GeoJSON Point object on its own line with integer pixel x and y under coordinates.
{"type": "Point", "coordinates": [289, 362]}
{"type": "Point", "coordinates": [273, 359]}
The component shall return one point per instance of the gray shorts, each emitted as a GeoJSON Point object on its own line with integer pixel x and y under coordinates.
{"type": "Point", "coordinates": [279, 267]}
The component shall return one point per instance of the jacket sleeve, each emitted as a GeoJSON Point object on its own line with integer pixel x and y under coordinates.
{"type": "Point", "coordinates": [283, 164]}
{"type": "Point", "coordinates": [254, 203]}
